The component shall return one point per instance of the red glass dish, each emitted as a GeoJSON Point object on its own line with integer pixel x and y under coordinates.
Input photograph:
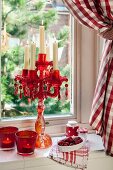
{"type": "Point", "coordinates": [7, 137]}
{"type": "Point", "coordinates": [25, 141]}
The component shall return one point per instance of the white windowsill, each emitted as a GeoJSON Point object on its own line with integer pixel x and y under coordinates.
{"type": "Point", "coordinates": [10, 160]}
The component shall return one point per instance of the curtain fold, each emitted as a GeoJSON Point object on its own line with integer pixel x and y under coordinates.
{"type": "Point", "coordinates": [98, 15]}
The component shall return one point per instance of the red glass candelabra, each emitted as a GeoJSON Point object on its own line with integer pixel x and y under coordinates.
{"type": "Point", "coordinates": [41, 83]}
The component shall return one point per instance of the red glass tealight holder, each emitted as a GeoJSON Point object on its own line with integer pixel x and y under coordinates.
{"type": "Point", "coordinates": [25, 141]}
{"type": "Point", "coordinates": [7, 137]}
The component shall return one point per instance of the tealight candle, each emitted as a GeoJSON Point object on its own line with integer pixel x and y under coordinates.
{"type": "Point", "coordinates": [7, 141]}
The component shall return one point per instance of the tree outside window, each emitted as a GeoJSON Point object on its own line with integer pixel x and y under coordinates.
{"type": "Point", "coordinates": [20, 23]}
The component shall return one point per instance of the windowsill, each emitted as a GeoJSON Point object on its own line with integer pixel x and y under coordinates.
{"type": "Point", "coordinates": [10, 160]}
{"type": "Point", "coordinates": [54, 128]}
{"type": "Point", "coordinates": [29, 122]}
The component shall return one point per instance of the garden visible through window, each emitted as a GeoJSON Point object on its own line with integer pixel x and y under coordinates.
{"type": "Point", "coordinates": [20, 26]}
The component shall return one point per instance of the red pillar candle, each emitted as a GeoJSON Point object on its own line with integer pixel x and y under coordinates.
{"type": "Point", "coordinates": [7, 137]}
{"type": "Point", "coordinates": [25, 141]}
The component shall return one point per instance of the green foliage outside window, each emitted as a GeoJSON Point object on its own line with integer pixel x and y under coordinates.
{"type": "Point", "coordinates": [19, 16]}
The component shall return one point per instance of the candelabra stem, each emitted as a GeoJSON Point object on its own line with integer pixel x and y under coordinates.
{"type": "Point", "coordinates": [43, 140]}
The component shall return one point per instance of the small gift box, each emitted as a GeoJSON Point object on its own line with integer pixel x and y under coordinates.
{"type": "Point", "coordinates": [7, 137]}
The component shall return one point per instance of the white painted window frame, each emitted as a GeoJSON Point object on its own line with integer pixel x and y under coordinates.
{"type": "Point", "coordinates": [23, 122]}
{"type": "Point", "coordinates": [85, 54]}
{"type": "Point", "coordinates": [0, 50]}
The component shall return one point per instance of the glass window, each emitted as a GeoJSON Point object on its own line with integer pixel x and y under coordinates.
{"type": "Point", "coordinates": [20, 25]}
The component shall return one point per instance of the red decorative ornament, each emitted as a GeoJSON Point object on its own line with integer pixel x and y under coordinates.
{"type": "Point", "coordinates": [41, 83]}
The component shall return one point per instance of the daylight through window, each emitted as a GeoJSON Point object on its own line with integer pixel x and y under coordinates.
{"type": "Point", "coordinates": [20, 26]}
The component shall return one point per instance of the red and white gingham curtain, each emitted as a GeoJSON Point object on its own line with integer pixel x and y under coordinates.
{"type": "Point", "coordinates": [98, 14]}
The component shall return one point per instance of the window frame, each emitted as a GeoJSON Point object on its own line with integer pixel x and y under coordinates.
{"type": "Point", "coordinates": [23, 122]}
{"type": "Point", "coordinates": [80, 34]}
{"type": "Point", "coordinates": [0, 49]}
{"type": "Point", "coordinates": [87, 56]}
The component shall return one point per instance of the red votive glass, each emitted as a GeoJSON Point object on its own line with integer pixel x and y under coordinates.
{"type": "Point", "coordinates": [7, 137]}
{"type": "Point", "coordinates": [25, 141]}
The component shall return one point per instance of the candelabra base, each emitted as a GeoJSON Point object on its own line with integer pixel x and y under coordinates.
{"type": "Point", "coordinates": [43, 141]}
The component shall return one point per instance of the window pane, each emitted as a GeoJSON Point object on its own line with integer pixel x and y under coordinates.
{"type": "Point", "coordinates": [20, 26]}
